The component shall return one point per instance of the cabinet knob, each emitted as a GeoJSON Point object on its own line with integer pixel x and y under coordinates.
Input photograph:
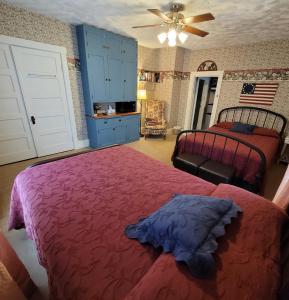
{"type": "Point", "coordinates": [109, 79]}
{"type": "Point", "coordinates": [113, 129]}
{"type": "Point", "coordinates": [119, 120]}
{"type": "Point", "coordinates": [124, 80]}
{"type": "Point", "coordinates": [105, 122]}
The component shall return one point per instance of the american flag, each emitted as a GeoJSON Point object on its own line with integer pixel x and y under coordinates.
{"type": "Point", "coordinates": [258, 93]}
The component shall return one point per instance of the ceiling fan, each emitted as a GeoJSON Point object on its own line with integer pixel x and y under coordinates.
{"type": "Point", "coordinates": [178, 24]}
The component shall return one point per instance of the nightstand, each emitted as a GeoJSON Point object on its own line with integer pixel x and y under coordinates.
{"type": "Point", "coordinates": [283, 156]}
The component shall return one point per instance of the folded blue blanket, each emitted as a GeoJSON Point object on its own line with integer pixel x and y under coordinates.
{"type": "Point", "coordinates": [187, 226]}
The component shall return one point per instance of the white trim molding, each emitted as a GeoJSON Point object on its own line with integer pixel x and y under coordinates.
{"type": "Point", "coordinates": [13, 41]}
{"type": "Point", "coordinates": [190, 106]}
{"type": "Point", "coordinates": [81, 144]}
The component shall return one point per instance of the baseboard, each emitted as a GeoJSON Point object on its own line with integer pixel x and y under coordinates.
{"type": "Point", "coordinates": [169, 130]}
{"type": "Point", "coordinates": [81, 144]}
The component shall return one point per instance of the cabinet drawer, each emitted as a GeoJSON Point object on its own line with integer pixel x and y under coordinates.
{"type": "Point", "coordinates": [104, 123]}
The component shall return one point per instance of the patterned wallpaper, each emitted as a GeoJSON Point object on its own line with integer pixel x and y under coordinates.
{"type": "Point", "coordinates": [258, 62]}
{"type": "Point", "coordinates": [262, 61]}
{"type": "Point", "coordinates": [169, 62]}
{"type": "Point", "coordinates": [258, 59]}
{"type": "Point", "coordinates": [27, 25]}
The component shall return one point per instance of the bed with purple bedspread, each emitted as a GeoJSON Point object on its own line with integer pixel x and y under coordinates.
{"type": "Point", "coordinates": [76, 209]}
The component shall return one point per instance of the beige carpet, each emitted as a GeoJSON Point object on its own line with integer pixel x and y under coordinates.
{"type": "Point", "coordinates": [156, 148]}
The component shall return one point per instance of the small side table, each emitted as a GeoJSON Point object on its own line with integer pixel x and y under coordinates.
{"type": "Point", "coordinates": [283, 157]}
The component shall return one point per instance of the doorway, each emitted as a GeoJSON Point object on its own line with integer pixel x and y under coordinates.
{"type": "Point", "coordinates": [202, 101]}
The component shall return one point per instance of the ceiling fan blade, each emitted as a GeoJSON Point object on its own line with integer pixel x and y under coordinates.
{"type": "Point", "coordinates": [158, 13]}
{"type": "Point", "coordinates": [144, 26]}
{"type": "Point", "coordinates": [195, 31]}
{"type": "Point", "coordinates": [198, 19]}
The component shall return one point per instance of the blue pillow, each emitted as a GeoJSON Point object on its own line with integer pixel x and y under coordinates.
{"type": "Point", "coordinates": [187, 226]}
{"type": "Point", "coordinates": [242, 128]}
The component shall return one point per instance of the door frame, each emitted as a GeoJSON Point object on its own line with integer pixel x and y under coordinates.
{"type": "Point", "coordinates": [191, 103]}
{"type": "Point", "coordinates": [13, 41]}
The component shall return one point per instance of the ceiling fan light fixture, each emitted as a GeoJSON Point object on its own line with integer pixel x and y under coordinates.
{"type": "Point", "coordinates": [172, 35]}
{"type": "Point", "coordinates": [162, 37]}
{"type": "Point", "coordinates": [172, 42]}
{"type": "Point", "coordinates": [182, 37]}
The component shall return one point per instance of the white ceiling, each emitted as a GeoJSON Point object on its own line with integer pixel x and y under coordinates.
{"type": "Point", "coordinates": [236, 21]}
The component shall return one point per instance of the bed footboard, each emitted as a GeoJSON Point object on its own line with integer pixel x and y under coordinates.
{"type": "Point", "coordinates": [220, 158]}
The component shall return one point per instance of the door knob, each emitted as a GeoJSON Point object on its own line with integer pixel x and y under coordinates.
{"type": "Point", "coordinates": [32, 120]}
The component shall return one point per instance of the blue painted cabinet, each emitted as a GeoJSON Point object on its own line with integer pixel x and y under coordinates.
{"type": "Point", "coordinates": [115, 130]}
{"type": "Point", "coordinates": [108, 66]}
{"type": "Point", "coordinates": [108, 63]}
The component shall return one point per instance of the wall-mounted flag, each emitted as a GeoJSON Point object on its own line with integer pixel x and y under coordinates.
{"type": "Point", "coordinates": [258, 93]}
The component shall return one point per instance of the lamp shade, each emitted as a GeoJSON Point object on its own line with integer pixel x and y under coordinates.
{"type": "Point", "coordinates": [141, 94]}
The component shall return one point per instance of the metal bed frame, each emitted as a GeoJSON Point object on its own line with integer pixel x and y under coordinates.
{"type": "Point", "coordinates": [260, 117]}
{"type": "Point", "coordinates": [250, 115]}
{"type": "Point", "coordinates": [238, 181]}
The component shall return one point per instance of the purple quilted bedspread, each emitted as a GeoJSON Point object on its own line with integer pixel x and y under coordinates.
{"type": "Point", "coordinates": [76, 210]}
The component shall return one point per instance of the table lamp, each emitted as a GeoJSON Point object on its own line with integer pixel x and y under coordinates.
{"type": "Point", "coordinates": [141, 96]}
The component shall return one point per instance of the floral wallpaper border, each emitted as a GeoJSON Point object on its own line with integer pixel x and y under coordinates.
{"type": "Point", "coordinates": [261, 74]}
{"type": "Point", "coordinates": [73, 63]}
{"type": "Point", "coordinates": [178, 75]}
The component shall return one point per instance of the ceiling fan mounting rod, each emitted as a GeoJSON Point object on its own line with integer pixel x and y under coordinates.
{"type": "Point", "coordinates": [176, 7]}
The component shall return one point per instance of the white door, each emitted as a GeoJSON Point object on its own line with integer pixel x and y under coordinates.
{"type": "Point", "coordinates": [16, 141]}
{"type": "Point", "coordinates": [42, 83]}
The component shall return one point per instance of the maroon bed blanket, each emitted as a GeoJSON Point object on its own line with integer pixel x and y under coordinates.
{"type": "Point", "coordinates": [76, 210]}
{"type": "Point", "coordinates": [246, 168]}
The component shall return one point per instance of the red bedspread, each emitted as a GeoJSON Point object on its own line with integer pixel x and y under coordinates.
{"type": "Point", "coordinates": [76, 210]}
{"type": "Point", "coordinates": [246, 169]}
{"type": "Point", "coordinates": [247, 259]}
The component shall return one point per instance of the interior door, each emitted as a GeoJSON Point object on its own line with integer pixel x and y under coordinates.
{"type": "Point", "coordinates": [42, 84]}
{"type": "Point", "coordinates": [16, 141]}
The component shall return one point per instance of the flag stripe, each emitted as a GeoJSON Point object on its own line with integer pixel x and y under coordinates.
{"type": "Point", "coordinates": [265, 90]}
{"type": "Point", "coordinates": [267, 85]}
{"type": "Point", "coordinates": [265, 93]}
{"type": "Point", "coordinates": [256, 102]}
{"type": "Point", "coordinates": [257, 96]}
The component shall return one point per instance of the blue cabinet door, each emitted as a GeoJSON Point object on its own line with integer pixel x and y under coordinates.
{"type": "Point", "coordinates": [113, 44]}
{"type": "Point", "coordinates": [130, 80]}
{"type": "Point", "coordinates": [105, 136]}
{"type": "Point", "coordinates": [95, 40]}
{"type": "Point", "coordinates": [132, 128]}
{"type": "Point", "coordinates": [114, 66]}
{"type": "Point", "coordinates": [129, 49]}
{"type": "Point", "coordinates": [96, 76]}
{"type": "Point", "coordinates": [120, 130]}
